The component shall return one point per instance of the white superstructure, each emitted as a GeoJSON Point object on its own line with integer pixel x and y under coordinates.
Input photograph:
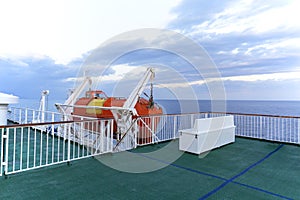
{"type": "Point", "coordinates": [5, 100]}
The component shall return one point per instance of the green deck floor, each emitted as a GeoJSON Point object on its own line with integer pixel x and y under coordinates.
{"type": "Point", "coordinates": [247, 169]}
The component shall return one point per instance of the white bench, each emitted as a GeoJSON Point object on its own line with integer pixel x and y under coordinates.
{"type": "Point", "coordinates": [207, 134]}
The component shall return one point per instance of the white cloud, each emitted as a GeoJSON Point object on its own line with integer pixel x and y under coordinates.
{"type": "Point", "coordinates": [14, 61]}
{"type": "Point", "coordinates": [252, 16]}
{"type": "Point", "coordinates": [283, 76]}
{"type": "Point", "coordinates": [235, 51]}
{"type": "Point", "coordinates": [174, 85]}
{"type": "Point", "coordinates": [119, 72]}
{"type": "Point", "coordinates": [64, 30]}
{"type": "Point", "coordinates": [271, 48]}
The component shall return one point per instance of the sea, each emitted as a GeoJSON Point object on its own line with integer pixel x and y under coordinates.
{"type": "Point", "coordinates": [281, 108]}
{"type": "Point", "coordinates": [287, 129]}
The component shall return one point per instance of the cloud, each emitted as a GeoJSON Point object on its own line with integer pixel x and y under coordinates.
{"type": "Point", "coordinates": [116, 73]}
{"type": "Point", "coordinates": [65, 30]}
{"type": "Point", "coordinates": [263, 90]}
{"type": "Point", "coordinates": [271, 78]}
{"type": "Point", "coordinates": [265, 77]}
{"type": "Point", "coordinates": [272, 48]}
{"type": "Point", "coordinates": [251, 17]}
{"type": "Point", "coordinates": [242, 31]}
{"type": "Point", "coordinates": [251, 43]}
{"type": "Point", "coordinates": [37, 74]}
{"type": "Point", "coordinates": [276, 48]}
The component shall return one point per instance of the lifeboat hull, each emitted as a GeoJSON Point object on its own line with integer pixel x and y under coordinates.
{"type": "Point", "coordinates": [143, 108]}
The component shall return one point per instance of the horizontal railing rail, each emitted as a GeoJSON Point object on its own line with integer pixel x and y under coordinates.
{"type": "Point", "coordinates": [267, 127]}
{"type": "Point", "coordinates": [273, 128]}
{"type": "Point", "coordinates": [160, 128]}
{"type": "Point", "coordinates": [231, 113]}
{"type": "Point", "coordinates": [27, 115]}
{"type": "Point", "coordinates": [49, 123]}
{"type": "Point", "coordinates": [28, 146]}
{"type": "Point", "coordinates": [34, 145]}
{"type": "Point", "coordinates": [249, 114]}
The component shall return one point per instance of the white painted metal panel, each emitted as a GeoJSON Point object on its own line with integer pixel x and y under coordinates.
{"type": "Point", "coordinates": [207, 134]}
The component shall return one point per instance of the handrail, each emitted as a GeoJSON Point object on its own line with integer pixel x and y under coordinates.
{"type": "Point", "coordinates": [262, 115]}
{"type": "Point", "coordinates": [89, 137]}
{"type": "Point", "coordinates": [191, 113]}
{"type": "Point", "coordinates": [229, 113]}
{"type": "Point", "coordinates": [47, 123]}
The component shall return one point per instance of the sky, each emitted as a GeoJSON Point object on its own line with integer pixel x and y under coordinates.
{"type": "Point", "coordinates": [254, 45]}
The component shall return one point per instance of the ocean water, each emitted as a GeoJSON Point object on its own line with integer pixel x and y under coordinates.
{"type": "Point", "coordinates": [35, 104]}
{"type": "Point", "coordinates": [276, 129]}
{"type": "Point", "coordinates": [282, 108]}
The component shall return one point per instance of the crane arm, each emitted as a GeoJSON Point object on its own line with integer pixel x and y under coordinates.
{"type": "Point", "coordinates": [75, 94]}
{"type": "Point", "coordinates": [72, 98]}
{"type": "Point", "coordinates": [136, 93]}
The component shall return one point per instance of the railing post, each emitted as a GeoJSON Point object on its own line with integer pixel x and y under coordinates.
{"type": "Point", "coordinates": [107, 131]}
{"type": "Point", "coordinates": [192, 120]}
{"type": "Point", "coordinates": [26, 113]}
{"type": "Point", "coordinates": [175, 125]}
{"type": "Point", "coordinates": [52, 117]}
{"type": "Point", "coordinates": [33, 115]}
{"type": "Point", "coordinates": [102, 136]}
{"type": "Point", "coordinates": [260, 127]}
{"type": "Point", "coordinates": [111, 136]}
{"type": "Point", "coordinates": [234, 122]}
{"type": "Point", "coordinates": [5, 142]}
{"type": "Point", "coordinates": [12, 110]}
{"type": "Point", "coordinates": [136, 132]}
{"type": "Point", "coordinates": [151, 119]}
{"type": "Point", "coordinates": [20, 116]}
{"type": "Point", "coordinates": [69, 143]}
{"type": "Point", "coordinates": [299, 131]}
{"type": "Point", "coordinates": [2, 161]}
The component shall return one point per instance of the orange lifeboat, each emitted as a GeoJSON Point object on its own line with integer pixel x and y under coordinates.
{"type": "Point", "coordinates": [143, 107]}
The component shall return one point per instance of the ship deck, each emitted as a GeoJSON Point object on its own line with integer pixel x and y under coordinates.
{"type": "Point", "coordinates": [246, 169]}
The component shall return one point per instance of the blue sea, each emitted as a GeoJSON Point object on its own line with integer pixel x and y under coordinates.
{"type": "Point", "coordinates": [282, 108]}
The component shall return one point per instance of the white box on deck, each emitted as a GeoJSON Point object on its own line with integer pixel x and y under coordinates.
{"type": "Point", "coordinates": [207, 134]}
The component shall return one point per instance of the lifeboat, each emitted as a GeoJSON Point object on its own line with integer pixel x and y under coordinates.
{"type": "Point", "coordinates": [97, 104]}
{"type": "Point", "coordinates": [84, 106]}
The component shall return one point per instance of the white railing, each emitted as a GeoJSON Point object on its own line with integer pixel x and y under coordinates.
{"type": "Point", "coordinates": [1, 151]}
{"type": "Point", "coordinates": [162, 128]}
{"type": "Point", "coordinates": [27, 115]}
{"type": "Point", "coordinates": [273, 128]}
{"type": "Point", "coordinates": [267, 127]}
{"type": "Point", "coordinates": [26, 147]}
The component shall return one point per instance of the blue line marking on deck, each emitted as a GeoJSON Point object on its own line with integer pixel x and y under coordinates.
{"type": "Point", "coordinates": [224, 179]}
{"type": "Point", "coordinates": [242, 173]}
{"type": "Point", "coordinates": [198, 172]}
{"type": "Point", "coordinates": [181, 167]}
{"type": "Point", "coordinates": [261, 190]}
